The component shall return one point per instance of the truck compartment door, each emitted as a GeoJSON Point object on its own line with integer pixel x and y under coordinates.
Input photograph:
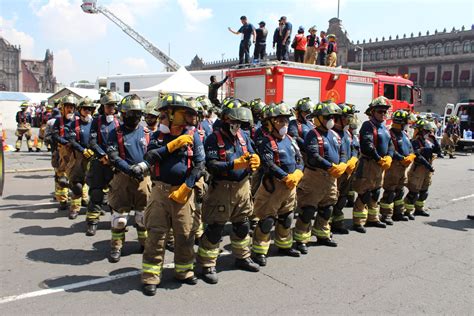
{"type": "Point", "coordinates": [249, 88]}
{"type": "Point", "coordinates": [359, 94]}
{"type": "Point", "coordinates": [295, 88]}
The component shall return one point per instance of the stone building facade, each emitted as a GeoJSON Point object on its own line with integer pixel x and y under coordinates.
{"type": "Point", "coordinates": [25, 75]}
{"type": "Point", "coordinates": [441, 64]}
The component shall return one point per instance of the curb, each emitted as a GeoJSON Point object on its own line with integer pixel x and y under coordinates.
{"type": "Point", "coordinates": [28, 170]}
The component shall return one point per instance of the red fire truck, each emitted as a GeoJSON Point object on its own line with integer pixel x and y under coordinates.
{"type": "Point", "coordinates": [288, 81]}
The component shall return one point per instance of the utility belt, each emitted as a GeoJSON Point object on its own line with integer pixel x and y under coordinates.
{"type": "Point", "coordinates": [229, 184]}
{"type": "Point", "coordinates": [165, 187]}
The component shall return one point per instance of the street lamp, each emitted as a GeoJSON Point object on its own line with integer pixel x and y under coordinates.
{"type": "Point", "coordinates": [222, 74]}
{"type": "Point", "coordinates": [361, 55]}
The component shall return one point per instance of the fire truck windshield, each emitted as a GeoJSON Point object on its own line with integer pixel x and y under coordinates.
{"type": "Point", "coordinates": [404, 93]}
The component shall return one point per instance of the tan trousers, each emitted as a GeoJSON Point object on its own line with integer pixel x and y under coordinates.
{"type": "Point", "coordinates": [395, 179]}
{"type": "Point", "coordinates": [331, 60]}
{"type": "Point", "coordinates": [310, 55]}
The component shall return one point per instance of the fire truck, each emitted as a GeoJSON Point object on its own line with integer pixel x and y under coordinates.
{"type": "Point", "coordinates": [288, 82]}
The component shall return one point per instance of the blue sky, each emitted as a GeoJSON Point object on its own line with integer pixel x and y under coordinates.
{"type": "Point", "coordinates": [86, 46]}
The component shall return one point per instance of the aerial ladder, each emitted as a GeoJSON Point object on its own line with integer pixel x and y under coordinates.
{"type": "Point", "coordinates": [90, 6]}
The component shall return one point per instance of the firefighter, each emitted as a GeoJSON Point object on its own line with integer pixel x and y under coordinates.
{"type": "Point", "coordinates": [229, 158]}
{"type": "Point", "coordinates": [395, 178]}
{"type": "Point", "coordinates": [421, 171]}
{"type": "Point", "coordinates": [450, 136]}
{"type": "Point", "coordinates": [342, 128]}
{"type": "Point", "coordinates": [62, 156]}
{"type": "Point", "coordinates": [23, 120]}
{"type": "Point", "coordinates": [318, 188]}
{"type": "Point", "coordinates": [100, 171]}
{"type": "Point", "coordinates": [151, 118]}
{"type": "Point", "coordinates": [130, 188]}
{"type": "Point", "coordinates": [176, 158]}
{"type": "Point", "coordinates": [256, 106]}
{"type": "Point", "coordinates": [354, 125]}
{"type": "Point", "coordinates": [377, 150]}
{"type": "Point", "coordinates": [208, 114]}
{"type": "Point", "coordinates": [45, 117]}
{"type": "Point", "coordinates": [299, 127]}
{"type": "Point", "coordinates": [275, 199]}
{"type": "Point", "coordinates": [78, 136]}
{"type": "Point", "coordinates": [331, 59]}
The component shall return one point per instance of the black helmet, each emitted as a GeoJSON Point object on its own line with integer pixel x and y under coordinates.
{"type": "Point", "coordinates": [305, 105]}
{"type": "Point", "coordinates": [347, 109]}
{"type": "Point", "coordinates": [279, 109]}
{"type": "Point", "coordinates": [400, 117]}
{"type": "Point", "coordinates": [174, 101]}
{"type": "Point", "coordinates": [231, 104]}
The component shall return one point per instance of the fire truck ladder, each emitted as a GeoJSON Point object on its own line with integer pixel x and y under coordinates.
{"type": "Point", "coordinates": [91, 7]}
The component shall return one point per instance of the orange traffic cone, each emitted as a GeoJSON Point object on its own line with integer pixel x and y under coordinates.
{"type": "Point", "coordinates": [35, 143]}
{"type": "Point", "coordinates": [4, 140]}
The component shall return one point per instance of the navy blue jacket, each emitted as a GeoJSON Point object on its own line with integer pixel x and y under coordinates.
{"type": "Point", "coordinates": [185, 165]}
{"type": "Point", "coordinates": [288, 155]}
{"type": "Point", "coordinates": [23, 117]}
{"type": "Point", "coordinates": [223, 170]}
{"type": "Point", "coordinates": [333, 151]}
{"type": "Point", "coordinates": [347, 141]}
{"type": "Point", "coordinates": [206, 125]}
{"type": "Point", "coordinates": [60, 131]}
{"type": "Point", "coordinates": [306, 126]}
{"type": "Point", "coordinates": [98, 143]}
{"type": "Point", "coordinates": [424, 150]}
{"type": "Point", "coordinates": [401, 144]}
{"type": "Point", "coordinates": [383, 146]}
{"type": "Point", "coordinates": [72, 128]}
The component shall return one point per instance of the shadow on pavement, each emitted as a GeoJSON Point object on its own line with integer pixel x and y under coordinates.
{"type": "Point", "coordinates": [460, 224]}
{"type": "Point", "coordinates": [34, 176]}
{"type": "Point", "coordinates": [78, 257]}
{"type": "Point", "coordinates": [38, 215]}
{"type": "Point", "coordinates": [27, 197]}
{"type": "Point", "coordinates": [11, 207]}
{"type": "Point", "coordinates": [53, 231]}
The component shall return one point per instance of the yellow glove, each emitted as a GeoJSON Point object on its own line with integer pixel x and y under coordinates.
{"type": "Point", "coordinates": [292, 179]}
{"type": "Point", "coordinates": [181, 194]}
{"type": "Point", "coordinates": [337, 170]}
{"type": "Point", "coordinates": [87, 153]}
{"type": "Point", "coordinates": [408, 160]}
{"type": "Point", "coordinates": [351, 164]}
{"type": "Point", "coordinates": [242, 162]}
{"type": "Point", "coordinates": [254, 162]}
{"type": "Point", "coordinates": [385, 162]}
{"type": "Point", "coordinates": [181, 141]}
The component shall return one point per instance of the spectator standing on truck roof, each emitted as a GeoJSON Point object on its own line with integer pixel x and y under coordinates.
{"type": "Point", "coordinates": [331, 58]}
{"type": "Point", "coordinates": [247, 30]}
{"type": "Point", "coordinates": [299, 45]}
{"type": "Point", "coordinates": [213, 88]}
{"type": "Point", "coordinates": [323, 47]}
{"type": "Point", "coordinates": [312, 44]}
{"type": "Point", "coordinates": [281, 38]}
{"type": "Point", "coordinates": [259, 52]}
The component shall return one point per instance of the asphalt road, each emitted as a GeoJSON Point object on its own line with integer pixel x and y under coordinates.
{"type": "Point", "coordinates": [48, 265]}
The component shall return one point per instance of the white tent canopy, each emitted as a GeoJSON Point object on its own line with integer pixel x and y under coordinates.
{"type": "Point", "coordinates": [181, 82]}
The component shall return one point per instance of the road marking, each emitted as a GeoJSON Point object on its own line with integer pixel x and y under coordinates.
{"type": "Point", "coordinates": [462, 198]}
{"type": "Point", "coordinates": [28, 170]}
{"type": "Point", "coordinates": [64, 288]}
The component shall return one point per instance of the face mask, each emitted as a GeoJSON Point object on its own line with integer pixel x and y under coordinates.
{"type": "Point", "coordinates": [164, 129]}
{"type": "Point", "coordinates": [70, 116]}
{"type": "Point", "coordinates": [282, 131]}
{"type": "Point", "coordinates": [87, 118]}
{"type": "Point", "coordinates": [109, 118]}
{"type": "Point", "coordinates": [346, 128]}
{"type": "Point", "coordinates": [330, 124]}
{"type": "Point", "coordinates": [234, 128]}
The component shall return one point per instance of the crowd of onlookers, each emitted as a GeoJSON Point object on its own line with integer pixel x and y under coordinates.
{"type": "Point", "coordinates": [308, 48]}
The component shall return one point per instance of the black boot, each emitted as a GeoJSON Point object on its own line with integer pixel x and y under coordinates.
{"type": "Point", "coordinates": [38, 150]}
{"type": "Point", "coordinates": [91, 229]}
{"type": "Point", "coordinates": [399, 217]}
{"type": "Point", "coordinates": [192, 280]}
{"type": "Point", "coordinates": [339, 230]}
{"type": "Point", "coordinates": [170, 246]}
{"type": "Point", "coordinates": [209, 275]}
{"type": "Point", "coordinates": [247, 264]}
{"type": "Point", "coordinates": [421, 213]}
{"type": "Point", "coordinates": [30, 150]}
{"type": "Point", "coordinates": [387, 220]}
{"type": "Point", "coordinates": [149, 289]}
{"type": "Point", "coordinates": [259, 259]}
{"type": "Point", "coordinates": [471, 217]}
{"type": "Point", "coordinates": [378, 224]}
{"type": "Point", "coordinates": [302, 248]}
{"type": "Point", "coordinates": [411, 217]}
{"type": "Point", "coordinates": [290, 252]}
{"type": "Point", "coordinates": [326, 242]}
{"type": "Point", "coordinates": [114, 256]}
{"type": "Point", "coordinates": [451, 156]}
{"type": "Point", "coordinates": [359, 229]}
{"type": "Point", "coordinates": [63, 206]}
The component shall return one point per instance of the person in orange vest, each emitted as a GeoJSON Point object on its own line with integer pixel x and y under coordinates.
{"type": "Point", "coordinates": [331, 59]}
{"type": "Point", "coordinates": [23, 120]}
{"type": "Point", "coordinates": [299, 45]}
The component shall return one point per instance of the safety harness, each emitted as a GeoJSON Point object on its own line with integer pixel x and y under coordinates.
{"type": "Point", "coordinates": [189, 151]}
{"type": "Point", "coordinates": [119, 135]}
{"type": "Point", "coordinates": [221, 144]}
{"type": "Point", "coordinates": [121, 145]}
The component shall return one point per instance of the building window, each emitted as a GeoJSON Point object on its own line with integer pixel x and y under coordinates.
{"type": "Point", "coordinates": [464, 77]}
{"type": "Point", "coordinates": [422, 51]}
{"type": "Point", "coordinates": [126, 87]}
{"type": "Point", "coordinates": [431, 50]}
{"type": "Point", "coordinates": [113, 86]}
{"type": "Point", "coordinates": [447, 49]}
{"type": "Point", "coordinates": [372, 56]}
{"type": "Point", "coordinates": [438, 49]}
{"type": "Point", "coordinates": [415, 52]}
{"type": "Point", "coordinates": [389, 91]}
{"type": "Point", "coordinates": [472, 47]}
{"type": "Point", "coordinates": [379, 55]}
{"type": "Point", "coordinates": [429, 98]}
{"type": "Point", "coordinates": [414, 77]}
{"type": "Point", "coordinates": [386, 54]}
{"type": "Point", "coordinates": [456, 48]}
{"type": "Point", "coordinates": [430, 78]}
{"type": "Point", "coordinates": [447, 78]}
{"type": "Point", "coordinates": [465, 48]}
{"type": "Point", "coordinates": [400, 53]}
{"type": "Point", "coordinates": [407, 52]}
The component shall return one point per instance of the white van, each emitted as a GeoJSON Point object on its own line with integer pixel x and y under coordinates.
{"type": "Point", "coordinates": [465, 111]}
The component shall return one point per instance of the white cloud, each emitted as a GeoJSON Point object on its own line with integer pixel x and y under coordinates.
{"type": "Point", "coordinates": [15, 37]}
{"type": "Point", "coordinates": [65, 66]}
{"type": "Point", "coordinates": [193, 13]}
{"type": "Point", "coordinates": [135, 65]}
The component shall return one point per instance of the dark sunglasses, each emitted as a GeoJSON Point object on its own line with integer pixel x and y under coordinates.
{"type": "Point", "coordinates": [381, 111]}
